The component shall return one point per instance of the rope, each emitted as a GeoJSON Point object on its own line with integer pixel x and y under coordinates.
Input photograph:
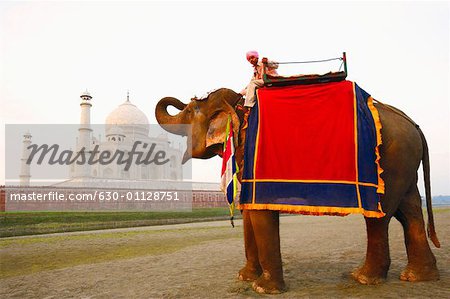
{"type": "Point", "coordinates": [342, 63]}
{"type": "Point", "coordinates": [312, 61]}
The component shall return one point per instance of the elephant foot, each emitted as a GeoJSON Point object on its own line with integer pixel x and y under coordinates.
{"type": "Point", "coordinates": [266, 285]}
{"type": "Point", "coordinates": [249, 273]}
{"type": "Point", "coordinates": [367, 277]}
{"type": "Point", "coordinates": [420, 274]}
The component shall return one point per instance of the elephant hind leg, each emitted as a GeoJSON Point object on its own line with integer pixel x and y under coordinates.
{"type": "Point", "coordinates": [421, 261]}
{"type": "Point", "coordinates": [376, 265]}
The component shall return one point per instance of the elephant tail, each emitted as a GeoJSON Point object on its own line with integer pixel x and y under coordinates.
{"type": "Point", "coordinates": [426, 175]}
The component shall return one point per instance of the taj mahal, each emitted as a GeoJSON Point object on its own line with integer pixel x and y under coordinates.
{"type": "Point", "coordinates": [125, 127]}
{"type": "Point", "coordinates": [126, 130]}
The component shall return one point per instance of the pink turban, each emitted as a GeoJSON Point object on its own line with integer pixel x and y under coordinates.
{"type": "Point", "coordinates": [252, 53]}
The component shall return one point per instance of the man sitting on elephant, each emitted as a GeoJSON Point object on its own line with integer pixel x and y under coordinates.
{"type": "Point", "coordinates": [260, 68]}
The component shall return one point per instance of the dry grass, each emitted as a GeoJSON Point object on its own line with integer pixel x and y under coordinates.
{"type": "Point", "coordinates": [201, 260]}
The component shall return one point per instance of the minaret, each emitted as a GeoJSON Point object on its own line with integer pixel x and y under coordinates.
{"type": "Point", "coordinates": [84, 133]}
{"type": "Point", "coordinates": [24, 167]}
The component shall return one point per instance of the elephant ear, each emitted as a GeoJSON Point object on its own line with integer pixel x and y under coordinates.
{"type": "Point", "coordinates": [218, 127]}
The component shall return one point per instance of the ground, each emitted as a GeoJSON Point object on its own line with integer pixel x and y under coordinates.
{"type": "Point", "coordinates": [201, 260]}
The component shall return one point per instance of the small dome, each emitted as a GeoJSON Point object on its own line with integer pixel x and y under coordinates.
{"type": "Point", "coordinates": [130, 119]}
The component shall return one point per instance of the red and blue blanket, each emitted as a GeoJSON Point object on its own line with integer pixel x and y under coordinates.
{"type": "Point", "coordinates": [313, 149]}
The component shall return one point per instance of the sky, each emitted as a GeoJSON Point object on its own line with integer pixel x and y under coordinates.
{"type": "Point", "coordinates": [50, 52]}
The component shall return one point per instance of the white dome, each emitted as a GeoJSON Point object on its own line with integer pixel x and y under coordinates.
{"type": "Point", "coordinates": [129, 118]}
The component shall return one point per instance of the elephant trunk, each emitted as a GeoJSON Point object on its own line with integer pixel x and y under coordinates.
{"type": "Point", "coordinates": [171, 123]}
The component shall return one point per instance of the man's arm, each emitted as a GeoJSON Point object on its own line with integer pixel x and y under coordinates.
{"type": "Point", "coordinates": [269, 63]}
{"type": "Point", "coordinates": [270, 67]}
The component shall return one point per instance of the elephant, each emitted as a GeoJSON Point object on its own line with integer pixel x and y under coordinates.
{"type": "Point", "coordinates": [403, 148]}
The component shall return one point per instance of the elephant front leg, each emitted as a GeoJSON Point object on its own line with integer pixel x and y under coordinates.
{"type": "Point", "coordinates": [252, 270]}
{"type": "Point", "coordinates": [266, 228]}
{"type": "Point", "coordinates": [378, 260]}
